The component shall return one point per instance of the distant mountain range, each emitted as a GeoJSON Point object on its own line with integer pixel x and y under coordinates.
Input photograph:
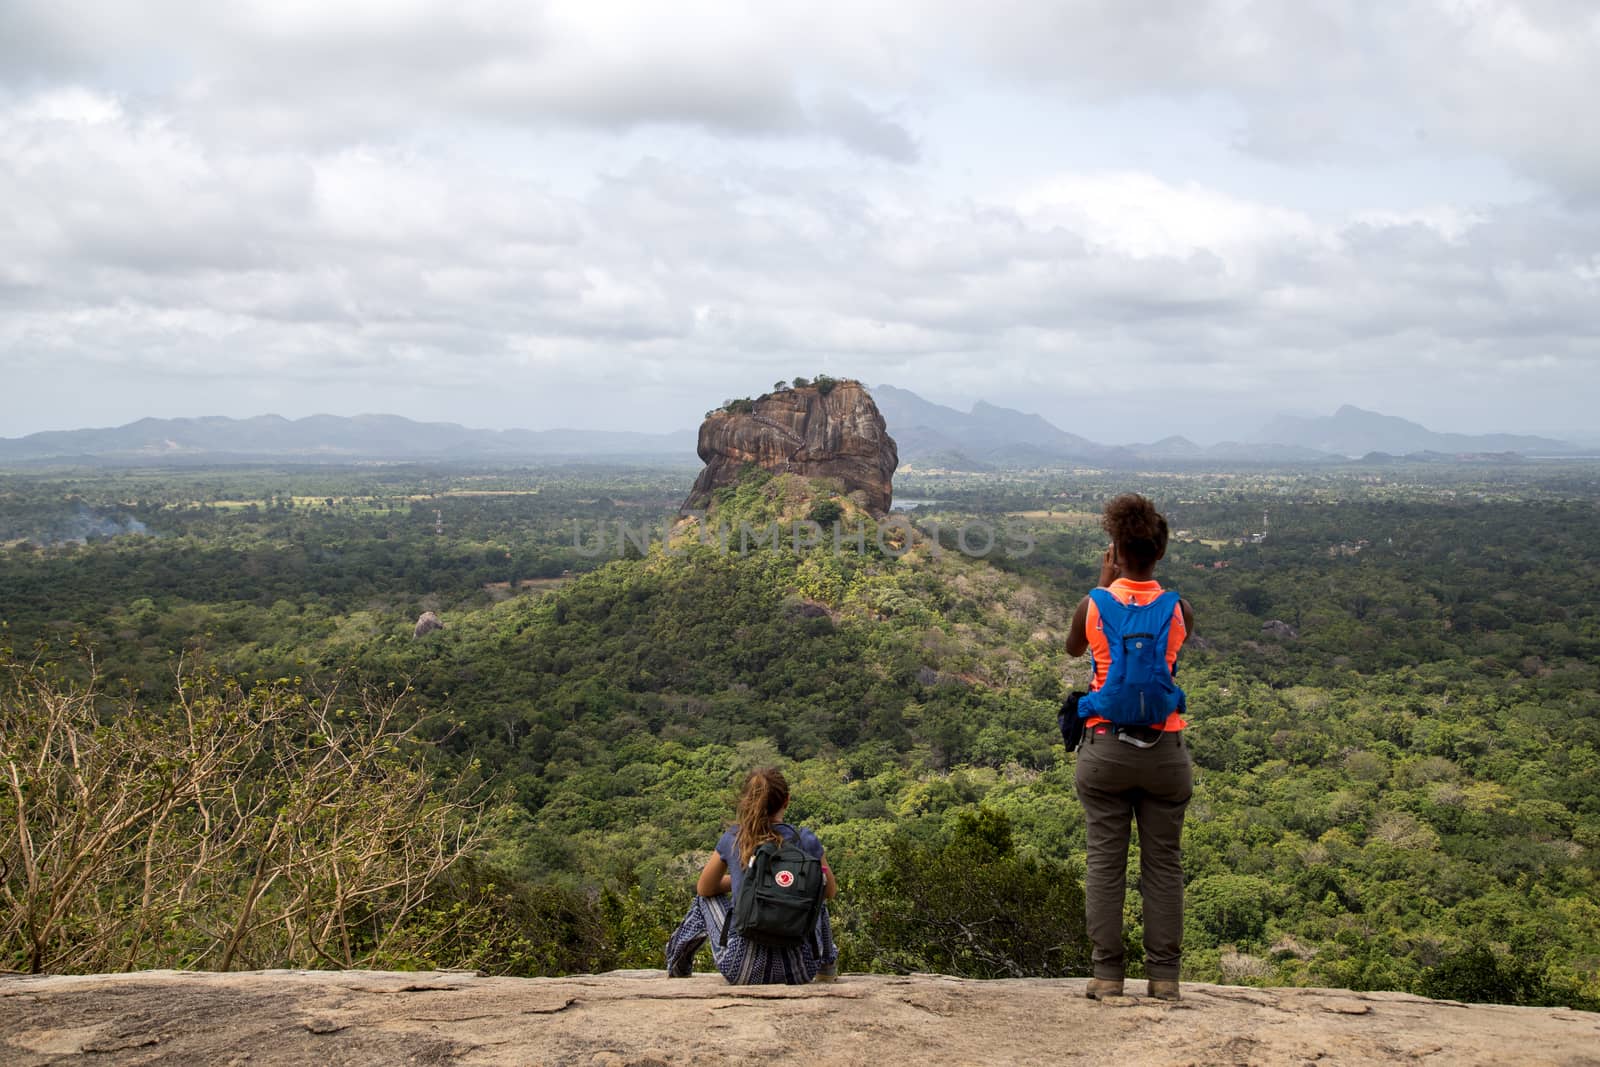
{"type": "Point", "coordinates": [1350, 431]}
{"type": "Point", "coordinates": [990, 437]}
{"type": "Point", "coordinates": [928, 435]}
{"type": "Point", "coordinates": [994, 437]}
{"type": "Point", "coordinates": [335, 437]}
{"type": "Point", "coordinates": [987, 436]}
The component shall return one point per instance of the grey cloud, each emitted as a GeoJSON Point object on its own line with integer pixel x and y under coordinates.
{"type": "Point", "coordinates": [37, 44]}
{"type": "Point", "coordinates": [353, 244]}
{"type": "Point", "coordinates": [372, 261]}
{"type": "Point", "coordinates": [728, 98]}
{"type": "Point", "coordinates": [1312, 81]}
{"type": "Point", "coordinates": [258, 73]}
{"type": "Point", "coordinates": [1327, 79]}
{"type": "Point", "coordinates": [859, 126]}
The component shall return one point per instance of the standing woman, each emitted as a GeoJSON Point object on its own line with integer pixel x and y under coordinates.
{"type": "Point", "coordinates": [762, 804]}
{"type": "Point", "coordinates": [1132, 772]}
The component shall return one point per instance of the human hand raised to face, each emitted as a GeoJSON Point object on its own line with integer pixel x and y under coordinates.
{"type": "Point", "coordinates": [1110, 565]}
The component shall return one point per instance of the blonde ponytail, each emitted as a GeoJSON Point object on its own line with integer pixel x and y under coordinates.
{"type": "Point", "coordinates": [765, 793]}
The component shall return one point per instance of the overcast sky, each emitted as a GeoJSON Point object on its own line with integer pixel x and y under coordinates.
{"type": "Point", "coordinates": [1184, 214]}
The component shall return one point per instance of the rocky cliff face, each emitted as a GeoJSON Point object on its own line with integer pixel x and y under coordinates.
{"type": "Point", "coordinates": [642, 1017]}
{"type": "Point", "coordinates": [805, 431]}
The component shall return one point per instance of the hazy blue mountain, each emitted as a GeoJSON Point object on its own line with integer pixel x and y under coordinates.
{"type": "Point", "coordinates": [988, 437]}
{"type": "Point", "coordinates": [1253, 452]}
{"type": "Point", "coordinates": [1351, 431]}
{"type": "Point", "coordinates": [1181, 450]}
{"type": "Point", "coordinates": [334, 437]}
{"type": "Point", "coordinates": [1175, 447]}
{"type": "Point", "coordinates": [988, 434]}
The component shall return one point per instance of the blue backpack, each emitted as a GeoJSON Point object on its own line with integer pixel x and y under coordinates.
{"type": "Point", "coordinates": [1139, 690]}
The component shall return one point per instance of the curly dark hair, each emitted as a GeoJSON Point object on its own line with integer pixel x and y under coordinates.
{"type": "Point", "coordinates": [1137, 529]}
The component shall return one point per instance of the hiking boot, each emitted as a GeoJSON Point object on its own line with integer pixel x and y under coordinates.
{"type": "Point", "coordinates": [1164, 989]}
{"type": "Point", "coordinates": [828, 972]}
{"type": "Point", "coordinates": [1100, 988]}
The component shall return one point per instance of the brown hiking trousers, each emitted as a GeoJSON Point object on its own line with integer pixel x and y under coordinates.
{"type": "Point", "coordinates": [1117, 783]}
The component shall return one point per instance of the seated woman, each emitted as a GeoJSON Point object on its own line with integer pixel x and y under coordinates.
{"type": "Point", "coordinates": [762, 803]}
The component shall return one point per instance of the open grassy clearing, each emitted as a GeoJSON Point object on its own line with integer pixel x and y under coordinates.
{"type": "Point", "coordinates": [1061, 518]}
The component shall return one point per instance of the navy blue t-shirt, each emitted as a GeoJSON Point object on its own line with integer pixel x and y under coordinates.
{"type": "Point", "coordinates": [728, 848]}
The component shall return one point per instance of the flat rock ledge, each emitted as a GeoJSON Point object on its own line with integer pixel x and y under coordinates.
{"type": "Point", "coordinates": [641, 1018]}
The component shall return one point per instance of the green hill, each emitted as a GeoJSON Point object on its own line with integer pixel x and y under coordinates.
{"type": "Point", "coordinates": [1393, 695]}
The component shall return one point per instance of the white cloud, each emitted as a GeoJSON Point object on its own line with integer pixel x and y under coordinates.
{"type": "Point", "coordinates": [71, 103]}
{"type": "Point", "coordinates": [387, 199]}
{"type": "Point", "coordinates": [1143, 217]}
{"type": "Point", "coordinates": [1312, 80]}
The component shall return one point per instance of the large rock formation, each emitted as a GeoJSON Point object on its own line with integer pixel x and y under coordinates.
{"type": "Point", "coordinates": [641, 1017]}
{"type": "Point", "coordinates": [817, 432]}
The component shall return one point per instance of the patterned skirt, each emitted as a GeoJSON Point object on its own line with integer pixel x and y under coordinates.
{"type": "Point", "coordinates": [740, 962]}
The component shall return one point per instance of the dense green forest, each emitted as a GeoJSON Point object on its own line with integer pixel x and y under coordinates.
{"type": "Point", "coordinates": [1394, 690]}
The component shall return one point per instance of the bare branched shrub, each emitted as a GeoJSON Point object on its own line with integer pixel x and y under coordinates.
{"type": "Point", "coordinates": [279, 825]}
{"type": "Point", "coordinates": [1241, 967]}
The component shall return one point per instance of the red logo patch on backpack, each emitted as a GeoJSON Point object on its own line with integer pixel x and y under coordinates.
{"type": "Point", "coordinates": [785, 879]}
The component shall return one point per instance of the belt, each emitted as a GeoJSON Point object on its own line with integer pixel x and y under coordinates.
{"type": "Point", "coordinates": [1137, 736]}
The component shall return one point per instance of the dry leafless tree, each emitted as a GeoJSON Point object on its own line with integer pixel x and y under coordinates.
{"type": "Point", "coordinates": [276, 825]}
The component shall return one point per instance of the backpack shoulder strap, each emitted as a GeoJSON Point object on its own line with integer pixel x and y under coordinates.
{"type": "Point", "coordinates": [749, 873]}
{"type": "Point", "coordinates": [1167, 602]}
{"type": "Point", "coordinates": [1110, 607]}
{"type": "Point", "coordinates": [1103, 597]}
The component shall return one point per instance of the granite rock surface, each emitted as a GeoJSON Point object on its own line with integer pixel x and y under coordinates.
{"type": "Point", "coordinates": [836, 434]}
{"type": "Point", "coordinates": [643, 1018]}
